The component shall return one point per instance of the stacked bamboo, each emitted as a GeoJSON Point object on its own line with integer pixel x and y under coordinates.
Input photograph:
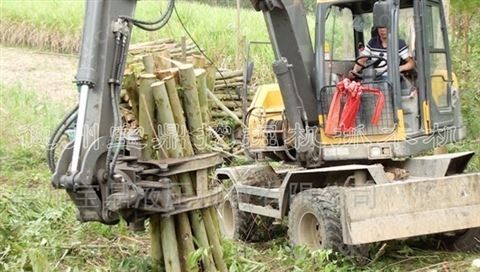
{"type": "Point", "coordinates": [223, 95]}
{"type": "Point", "coordinates": [224, 99]}
{"type": "Point", "coordinates": [169, 104]}
{"type": "Point", "coordinates": [227, 89]}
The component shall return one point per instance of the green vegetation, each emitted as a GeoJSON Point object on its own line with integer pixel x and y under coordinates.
{"type": "Point", "coordinates": [58, 26]}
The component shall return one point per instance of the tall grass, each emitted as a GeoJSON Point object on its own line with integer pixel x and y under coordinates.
{"type": "Point", "coordinates": [38, 226]}
{"type": "Point", "coordinates": [57, 25]}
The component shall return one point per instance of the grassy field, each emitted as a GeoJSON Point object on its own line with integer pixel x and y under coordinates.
{"type": "Point", "coordinates": [38, 228]}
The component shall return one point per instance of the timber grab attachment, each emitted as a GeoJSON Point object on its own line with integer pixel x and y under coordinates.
{"type": "Point", "coordinates": [141, 188]}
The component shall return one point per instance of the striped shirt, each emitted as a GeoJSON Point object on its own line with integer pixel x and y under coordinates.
{"type": "Point", "coordinates": [375, 48]}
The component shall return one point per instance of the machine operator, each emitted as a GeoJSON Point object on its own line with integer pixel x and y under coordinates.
{"type": "Point", "coordinates": [377, 47]}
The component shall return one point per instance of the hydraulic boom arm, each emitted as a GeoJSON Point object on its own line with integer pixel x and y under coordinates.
{"type": "Point", "coordinates": [294, 68]}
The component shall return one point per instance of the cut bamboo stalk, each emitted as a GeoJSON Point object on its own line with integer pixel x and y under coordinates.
{"type": "Point", "coordinates": [222, 85]}
{"type": "Point", "coordinates": [213, 238]}
{"type": "Point", "coordinates": [149, 64]}
{"type": "Point", "coordinates": [146, 115]}
{"type": "Point", "coordinates": [229, 74]}
{"type": "Point", "coordinates": [159, 59]}
{"type": "Point", "coordinates": [218, 138]}
{"type": "Point", "coordinates": [227, 95]}
{"type": "Point", "coordinates": [230, 79]}
{"type": "Point", "coordinates": [233, 94]}
{"type": "Point", "coordinates": [200, 232]}
{"type": "Point", "coordinates": [184, 48]}
{"type": "Point", "coordinates": [199, 61]}
{"type": "Point", "coordinates": [165, 73]}
{"type": "Point", "coordinates": [168, 240]}
{"type": "Point", "coordinates": [221, 114]}
{"type": "Point", "coordinates": [178, 115]}
{"type": "Point", "coordinates": [202, 94]}
{"type": "Point", "coordinates": [216, 223]}
{"type": "Point", "coordinates": [211, 77]}
{"type": "Point", "coordinates": [232, 104]}
{"type": "Point", "coordinates": [156, 244]}
{"type": "Point", "coordinates": [191, 105]}
{"type": "Point", "coordinates": [169, 245]}
{"type": "Point", "coordinates": [152, 48]}
{"type": "Point", "coordinates": [167, 131]}
{"type": "Point", "coordinates": [179, 55]}
{"type": "Point", "coordinates": [225, 109]}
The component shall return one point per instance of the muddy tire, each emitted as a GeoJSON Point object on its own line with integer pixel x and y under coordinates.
{"type": "Point", "coordinates": [314, 221]}
{"type": "Point", "coordinates": [466, 241]}
{"type": "Point", "coordinates": [245, 226]}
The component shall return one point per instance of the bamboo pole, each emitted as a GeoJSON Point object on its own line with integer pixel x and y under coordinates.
{"type": "Point", "coordinates": [169, 245]}
{"type": "Point", "coordinates": [228, 74]}
{"type": "Point", "coordinates": [201, 81]}
{"type": "Point", "coordinates": [230, 85]}
{"type": "Point", "coordinates": [156, 244]}
{"type": "Point", "coordinates": [160, 62]}
{"type": "Point", "coordinates": [178, 115]}
{"type": "Point", "coordinates": [191, 105]}
{"type": "Point", "coordinates": [214, 239]}
{"type": "Point", "coordinates": [224, 108]}
{"type": "Point", "coordinates": [232, 104]}
{"type": "Point", "coordinates": [229, 80]}
{"type": "Point", "coordinates": [216, 223]}
{"type": "Point", "coordinates": [222, 114]}
{"type": "Point", "coordinates": [149, 64]}
{"type": "Point", "coordinates": [199, 61]}
{"type": "Point", "coordinates": [146, 115]}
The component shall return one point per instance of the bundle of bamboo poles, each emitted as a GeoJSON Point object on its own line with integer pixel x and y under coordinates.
{"type": "Point", "coordinates": [170, 105]}
{"type": "Point", "coordinates": [224, 100]}
{"type": "Point", "coordinates": [228, 85]}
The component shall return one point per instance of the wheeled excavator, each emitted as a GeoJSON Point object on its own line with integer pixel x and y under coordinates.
{"type": "Point", "coordinates": [340, 189]}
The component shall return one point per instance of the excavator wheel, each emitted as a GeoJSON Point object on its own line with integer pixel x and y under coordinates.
{"type": "Point", "coordinates": [314, 221]}
{"type": "Point", "coordinates": [245, 226]}
{"type": "Point", "coordinates": [469, 240]}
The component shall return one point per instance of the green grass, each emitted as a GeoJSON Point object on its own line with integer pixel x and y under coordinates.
{"type": "Point", "coordinates": [38, 228]}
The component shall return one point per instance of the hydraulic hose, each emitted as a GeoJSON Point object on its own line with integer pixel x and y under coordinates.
{"type": "Point", "coordinates": [65, 124]}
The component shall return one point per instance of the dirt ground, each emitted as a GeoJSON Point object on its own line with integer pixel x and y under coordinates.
{"type": "Point", "coordinates": [47, 73]}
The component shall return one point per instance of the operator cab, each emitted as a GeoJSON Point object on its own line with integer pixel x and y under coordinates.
{"type": "Point", "coordinates": [344, 30]}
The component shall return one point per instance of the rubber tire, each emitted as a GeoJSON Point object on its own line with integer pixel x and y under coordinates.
{"type": "Point", "coordinates": [467, 241]}
{"type": "Point", "coordinates": [324, 204]}
{"type": "Point", "coordinates": [249, 227]}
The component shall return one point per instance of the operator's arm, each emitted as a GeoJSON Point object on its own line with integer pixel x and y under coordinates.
{"type": "Point", "coordinates": [405, 55]}
{"type": "Point", "coordinates": [357, 68]}
{"type": "Point", "coordinates": [410, 65]}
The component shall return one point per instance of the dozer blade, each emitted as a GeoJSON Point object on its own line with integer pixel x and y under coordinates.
{"type": "Point", "coordinates": [410, 208]}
